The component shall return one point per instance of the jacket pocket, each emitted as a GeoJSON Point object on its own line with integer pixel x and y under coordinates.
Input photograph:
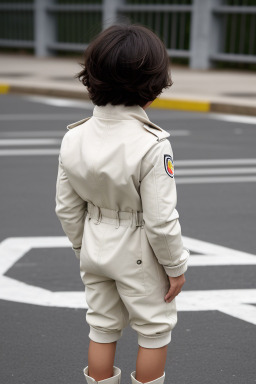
{"type": "Point", "coordinates": [154, 273]}
{"type": "Point", "coordinates": [131, 278]}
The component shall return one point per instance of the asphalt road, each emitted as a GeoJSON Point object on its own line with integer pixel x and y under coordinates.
{"type": "Point", "coordinates": [214, 340]}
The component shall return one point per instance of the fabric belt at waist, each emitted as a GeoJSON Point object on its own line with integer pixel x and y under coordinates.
{"type": "Point", "coordinates": [110, 216]}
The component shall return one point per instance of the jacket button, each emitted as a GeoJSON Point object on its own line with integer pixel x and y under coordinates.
{"type": "Point", "coordinates": [139, 261]}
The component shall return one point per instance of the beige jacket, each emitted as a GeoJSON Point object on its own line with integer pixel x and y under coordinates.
{"type": "Point", "coordinates": [116, 160]}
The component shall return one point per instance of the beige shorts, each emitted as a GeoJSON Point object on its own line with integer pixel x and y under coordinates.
{"type": "Point", "coordinates": [124, 283]}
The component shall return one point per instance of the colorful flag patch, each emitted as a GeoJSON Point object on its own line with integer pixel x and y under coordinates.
{"type": "Point", "coordinates": [168, 165]}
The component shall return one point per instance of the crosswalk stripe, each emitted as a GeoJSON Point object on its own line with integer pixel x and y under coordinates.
{"type": "Point", "coordinates": [207, 180]}
{"type": "Point", "coordinates": [233, 118]}
{"type": "Point", "coordinates": [60, 102]}
{"type": "Point", "coordinates": [214, 162]}
{"type": "Point", "coordinates": [216, 171]}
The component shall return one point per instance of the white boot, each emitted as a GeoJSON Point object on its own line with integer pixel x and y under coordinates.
{"type": "Point", "coordinates": [159, 380]}
{"type": "Point", "coordinates": [115, 379]}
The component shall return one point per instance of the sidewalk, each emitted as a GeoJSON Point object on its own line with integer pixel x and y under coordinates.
{"type": "Point", "coordinates": [225, 91]}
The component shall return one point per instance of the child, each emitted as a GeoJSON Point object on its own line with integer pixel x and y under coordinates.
{"type": "Point", "coordinates": [116, 199]}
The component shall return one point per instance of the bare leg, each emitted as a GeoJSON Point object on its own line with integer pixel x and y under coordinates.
{"type": "Point", "coordinates": [150, 363]}
{"type": "Point", "coordinates": [101, 357]}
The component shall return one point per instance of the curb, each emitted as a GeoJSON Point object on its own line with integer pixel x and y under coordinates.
{"type": "Point", "coordinates": [4, 88]}
{"type": "Point", "coordinates": [161, 103]}
{"type": "Point", "coordinates": [185, 105]}
{"type": "Point", "coordinates": [204, 106]}
{"type": "Point", "coordinates": [71, 94]}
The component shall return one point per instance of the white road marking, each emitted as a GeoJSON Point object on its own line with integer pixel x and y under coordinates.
{"type": "Point", "coordinates": [9, 142]}
{"type": "Point", "coordinates": [59, 102]}
{"type": "Point", "coordinates": [216, 171]}
{"type": "Point", "coordinates": [214, 162]}
{"type": "Point", "coordinates": [209, 180]}
{"type": "Point", "coordinates": [206, 254]}
{"type": "Point", "coordinates": [233, 118]}
{"type": "Point", "coordinates": [234, 302]}
{"type": "Point", "coordinates": [244, 312]}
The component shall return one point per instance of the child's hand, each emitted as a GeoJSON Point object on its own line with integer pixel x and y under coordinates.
{"type": "Point", "coordinates": [176, 284]}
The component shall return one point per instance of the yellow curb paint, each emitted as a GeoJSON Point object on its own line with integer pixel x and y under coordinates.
{"type": "Point", "coordinates": [185, 105]}
{"type": "Point", "coordinates": [4, 88]}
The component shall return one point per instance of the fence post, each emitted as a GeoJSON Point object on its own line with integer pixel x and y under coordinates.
{"type": "Point", "coordinates": [109, 12]}
{"type": "Point", "coordinates": [44, 27]}
{"type": "Point", "coordinates": [206, 33]}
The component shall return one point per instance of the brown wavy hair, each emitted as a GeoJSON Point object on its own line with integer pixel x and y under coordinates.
{"type": "Point", "coordinates": [125, 64]}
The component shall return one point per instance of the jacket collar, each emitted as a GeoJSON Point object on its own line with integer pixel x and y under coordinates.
{"type": "Point", "coordinates": [122, 112]}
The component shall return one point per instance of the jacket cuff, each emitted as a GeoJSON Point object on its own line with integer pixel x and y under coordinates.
{"type": "Point", "coordinates": [77, 252]}
{"type": "Point", "coordinates": [178, 270]}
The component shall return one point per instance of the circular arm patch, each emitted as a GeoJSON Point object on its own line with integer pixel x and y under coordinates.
{"type": "Point", "coordinates": [168, 165]}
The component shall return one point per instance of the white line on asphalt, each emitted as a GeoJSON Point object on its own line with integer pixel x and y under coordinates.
{"type": "Point", "coordinates": [9, 142]}
{"type": "Point", "coordinates": [242, 311]}
{"type": "Point", "coordinates": [233, 118]}
{"type": "Point", "coordinates": [59, 102]}
{"type": "Point", "coordinates": [206, 254]}
{"type": "Point", "coordinates": [201, 260]}
{"type": "Point", "coordinates": [216, 171]}
{"type": "Point", "coordinates": [214, 162]}
{"type": "Point", "coordinates": [234, 302]}
{"type": "Point", "coordinates": [208, 180]}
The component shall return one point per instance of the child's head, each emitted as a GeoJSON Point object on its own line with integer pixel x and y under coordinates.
{"type": "Point", "coordinates": [125, 64]}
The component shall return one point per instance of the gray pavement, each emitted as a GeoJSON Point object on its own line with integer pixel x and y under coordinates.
{"type": "Point", "coordinates": [226, 91]}
{"type": "Point", "coordinates": [47, 343]}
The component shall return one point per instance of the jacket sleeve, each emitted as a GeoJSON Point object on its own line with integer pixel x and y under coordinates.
{"type": "Point", "coordinates": [70, 209]}
{"type": "Point", "coordinates": [159, 199]}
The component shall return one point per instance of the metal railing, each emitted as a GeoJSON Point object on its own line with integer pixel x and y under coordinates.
{"type": "Point", "coordinates": [239, 33]}
{"type": "Point", "coordinates": [17, 24]}
{"type": "Point", "coordinates": [171, 22]}
{"type": "Point", "coordinates": [202, 31]}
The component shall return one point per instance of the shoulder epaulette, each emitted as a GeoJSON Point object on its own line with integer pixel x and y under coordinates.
{"type": "Point", "coordinates": [73, 125]}
{"type": "Point", "coordinates": [160, 133]}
